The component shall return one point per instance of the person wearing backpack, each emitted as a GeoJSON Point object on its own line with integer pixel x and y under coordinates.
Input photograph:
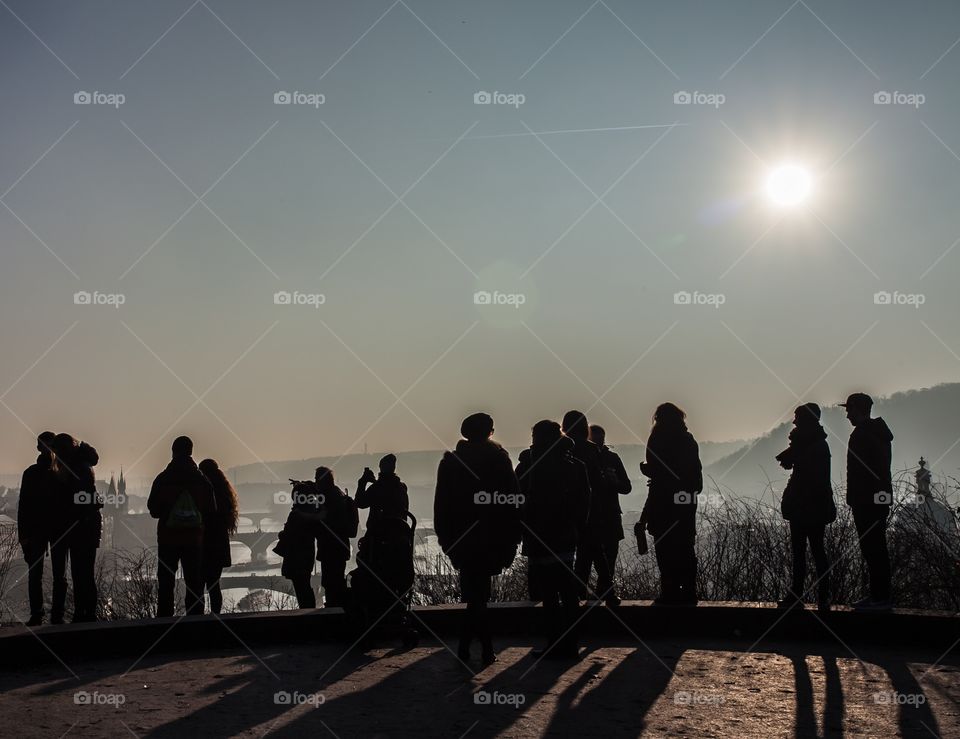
{"type": "Point", "coordinates": [333, 541]}
{"type": "Point", "coordinates": [181, 499]}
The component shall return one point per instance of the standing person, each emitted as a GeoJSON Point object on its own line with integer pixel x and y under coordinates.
{"type": "Point", "coordinates": [38, 497]}
{"type": "Point", "coordinates": [182, 500]}
{"type": "Point", "coordinates": [387, 494]}
{"type": "Point", "coordinates": [670, 512]}
{"type": "Point", "coordinates": [76, 460]}
{"type": "Point", "coordinates": [870, 494]}
{"type": "Point", "coordinates": [617, 483]}
{"type": "Point", "coordinates": [807, 502]}
{"type": "Point", "coordinates": [555, 511]}
{"type": "Point", "coordinates": [476, 517]}
{"type": "Point", "coordinates": [217, 529]}
{"type": "Point", "coordinates": [333, 541]}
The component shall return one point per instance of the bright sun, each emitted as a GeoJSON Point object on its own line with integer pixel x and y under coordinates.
{"type": "Point", "coordinates": [789, 185]}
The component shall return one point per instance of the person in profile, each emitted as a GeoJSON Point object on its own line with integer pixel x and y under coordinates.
{"type": "Point", "coordinates": [217, 529]}
{"type": "Point", "coordinates": [477, 520]}
{"type": "Point", "coordinates": [670, 512]}
{"type": "Point", "coordinates": [76, 460]}
{"type": "Point", "coordinates": [337, 528]}
{"type": "Point", "coordinates": [182, 500]}
{"type": "Point", "coordinates": [555, 512]}
{"type": "Point", "coordinates": [807, 502]}
{"type": "Point", "coordinates": [386, 496]}
{"type": "Point", "coordinates": [38, 498]}
{"type": "Point", "coordinates": [870, 494]}
{"type": "Point", "coordinates": [617, 483]}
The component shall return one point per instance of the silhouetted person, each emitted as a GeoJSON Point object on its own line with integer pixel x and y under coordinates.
{"type": "Point", "coordinates": [182, 500]}
{"type": "Point", "coordinates": [556, 507]}
{"type": "Point", "coordinates": [604, 519]}
{"type": "Point", "coordinates": [217, 529]}
{"type": "Point", "coordinates": [38, 497]}
{"type": "Point", "coordinates": [75, 463]}
{"type": "Point", "coordinates": [616, 481]}
{"type": "Point", "coordinates": [476, 517]}
{"type": "Point", "coordinates": [387, 494]}
{"type": "Point", "coordinates": [676, 478]}
{"type": "Point", "coordinates": [870, 494]}
{"type": "Point", "coordinates": [333, 542]}
{"type": "Point", "coordinates": [807, 502]}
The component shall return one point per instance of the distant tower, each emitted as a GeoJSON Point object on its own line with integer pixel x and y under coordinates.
{"type": "Point", "coordinates": [923, 479]}
{"type": "Point", "coordinates": [122, 500]}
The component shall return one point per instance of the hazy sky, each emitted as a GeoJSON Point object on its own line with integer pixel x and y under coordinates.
{"type": "Point", "coordinates": [104, 198]}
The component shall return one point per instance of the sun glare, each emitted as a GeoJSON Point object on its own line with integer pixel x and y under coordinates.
{"type": "Point", "coordinates": [789, 185]}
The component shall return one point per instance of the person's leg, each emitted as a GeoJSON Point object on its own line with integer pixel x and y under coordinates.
{"type": "Point", "coordinates": [58, 567]}
{"type": "Point", "coordinates": [333, 580]}
{"type": "Point", "coordinates": [303, 587]}
{"type": "Point", "coordinates": [191, 562]}
{"type": "Point", "coordinates": [167, 559]}
{"type": "Point", "coordinates": [566, 586]}
{"type": "Point", "coordinates": [582, 567]}
{"type": "Point", "coordinates": [211, 579]}
{"type": "Point", "coordinates": [662, 546]}
{"type": "Point", "coordinates": [798, 549]}
{"type": "Point", "coordinates": [604, 569]}
{"type": "Point", "coordinates": [821, 562]}
{"type": "Point", "coordinates": [83, 557]}
{"type": "Point", "coordinates": [33, 555]}
{"type": "Point", "coordinates": [686, 544]}
{"type": "Point", "coordinates": [872, 533]}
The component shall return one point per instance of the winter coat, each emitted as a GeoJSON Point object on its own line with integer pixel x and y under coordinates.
{"type": "Point", "coordinates": [80, 503]}
{"type": "Point", "coordinates": [39, 495]}
{"type": "Point", "coordinates": [181, 475]}
{"type": "Point", "coordinates": [216, 538]}
{"type": "Point", "coordinates": [869, 453]}
{"type": "Point", "coordinates": [385, 497]}
{"type": "Point", "coordinates": [808, 496]}
{"type": "Point", "coordinates": [319, 526]}
{"type": "Point", "coordinates": [476, 510]}
{"type": "Point", "coordinates": [675, 477]}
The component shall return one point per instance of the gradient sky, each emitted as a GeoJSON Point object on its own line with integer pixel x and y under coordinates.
{"type": "Point", "coordinates": [499, 209]}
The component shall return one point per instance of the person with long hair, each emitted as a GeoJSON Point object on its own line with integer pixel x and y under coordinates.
{"type": "Point", "coordinates": [670, 512]}
{"type": "Point", "coordinates": [38, 498]}
{"type": "Point", "coordinates": [217, 530]}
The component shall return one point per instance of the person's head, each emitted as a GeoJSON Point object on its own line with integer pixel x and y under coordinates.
{"type": "Point", "coordinates": [324, 478]}
{"type": "Point", "coordinates": [806, 415]}
{"type": "Point", "coordinates": [545, 433]}
{"type": "Point", "coordinates": [575, 425]}
{"type": "Point", "coordinates": [210, 469]}
{"type": "Point", "coordinates": [858, 407]}
{"type": "Point", "coordinates": [182, 447]}
{"type": "Point", "coordinates": [388, 464]}
{"type": "Point", "coordinates": [64, 444]}
{"type": "Point", "coordinates": [46, 441]}
{"type": "Point", "coordinates": [477, 427]}
{"type": "Point", "coordinates": [669, 417]}
{"type": "Point", "coordinates": [598, 435]}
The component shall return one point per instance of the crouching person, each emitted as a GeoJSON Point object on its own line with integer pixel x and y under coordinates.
{"type": "Point", "coordinates": [181, 499]}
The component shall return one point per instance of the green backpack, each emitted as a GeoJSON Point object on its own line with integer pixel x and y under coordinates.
{"type": "Point", "coordinates": [184, 514]}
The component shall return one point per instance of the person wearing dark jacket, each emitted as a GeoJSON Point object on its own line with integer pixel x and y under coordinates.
{"type": "Point", "coordinates": [333, 542]}
{"type": "Point", "coordinates": [807, 502]}
{"type": "Point", "coordinates": [387, 495]}
{"type": "Point", "coordinates": [555, 510]}
{"type": "Point", "coordinates": [83, 526]}
{"type": "Point", "coordinates": [616, 480]}
{"type": "Point", "coordinates": [38, 497]}
{"type": "Point", "coordinates": [870, 494]}
{"type": "Point", "coordinates": [182, 500]}
{"type": "Point", "coordinates": [670, 512]}
{"type": "Point", "coordinates": [217, 529]}
{"type": "Point", "coordinates": [477, 519]}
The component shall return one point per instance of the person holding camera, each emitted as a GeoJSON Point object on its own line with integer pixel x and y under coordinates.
{"type": "Point", "coordinates": [870, 494]}
{"type": "Point", "coordinates": [670, 512]}
{"type": "Point", "coordinates": [386, 495]}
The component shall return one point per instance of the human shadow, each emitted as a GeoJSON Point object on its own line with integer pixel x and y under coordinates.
{"type": "Point", "coordinates": [805, 722]}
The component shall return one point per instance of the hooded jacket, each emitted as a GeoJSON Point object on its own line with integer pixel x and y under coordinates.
{"type": "Point", "coordinates": [808, 496]}
{"type": "Point", "coordinates": [869, 452]}
{"type": "Point", "coordinates": [476, 510]}
{"type": "Point", "coordinates": [181, 475]}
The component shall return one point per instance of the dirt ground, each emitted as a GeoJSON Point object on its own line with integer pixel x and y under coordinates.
{"type": "Point", "coordinates": [662, 688]}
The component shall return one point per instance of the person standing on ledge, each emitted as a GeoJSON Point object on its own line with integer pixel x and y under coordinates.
{"type": "Point", "coordinates": [217, 530]}
{"type": "Point", "coordinates": [807, 502]}
{"type": "Point", "coordinates": [35, 509]}
{"type": "Point", "coordinates": [387, 494]}
{"type": "Point", "coordinates": [617, 483]}
{"type": "Point", "coordinates": [870, 494]}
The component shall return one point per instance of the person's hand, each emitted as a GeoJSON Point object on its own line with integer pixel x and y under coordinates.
{"type": "Point", "coordinates": [368, 475]}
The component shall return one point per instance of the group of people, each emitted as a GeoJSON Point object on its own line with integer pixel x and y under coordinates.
{"type": "Point", "coordinates": [560, 506]}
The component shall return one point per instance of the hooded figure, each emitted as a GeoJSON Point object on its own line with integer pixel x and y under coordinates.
{"type": "Point", "coordinates": [807, 501]}
{"type": "Point", "coordinates": [477, 520]}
